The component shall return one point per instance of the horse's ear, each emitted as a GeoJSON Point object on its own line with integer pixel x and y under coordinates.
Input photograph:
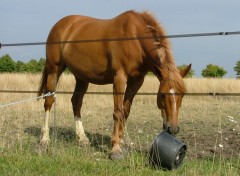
{"type": "Point", "coordinates": [185, 71]}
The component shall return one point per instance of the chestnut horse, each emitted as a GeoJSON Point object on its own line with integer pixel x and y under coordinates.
{"type": "Point", "coordinates": [121, 63]}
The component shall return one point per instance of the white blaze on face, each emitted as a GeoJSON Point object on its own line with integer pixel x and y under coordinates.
{"type": "Point", "coordinates": [172, 91]}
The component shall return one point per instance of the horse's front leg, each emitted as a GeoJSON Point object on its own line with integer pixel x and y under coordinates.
{"type": "Point", "coordinates": [118, 115]}
{"type": "Point", "coordinates": [132, 88]}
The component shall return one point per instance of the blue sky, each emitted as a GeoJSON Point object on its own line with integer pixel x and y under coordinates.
{"type": "Point", "coordinates": [31, 21]}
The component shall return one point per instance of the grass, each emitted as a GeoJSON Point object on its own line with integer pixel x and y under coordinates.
{"type": "Point", "coordinates": [74, 161]}
{"type": "Point", "coordinates": [204, 125]}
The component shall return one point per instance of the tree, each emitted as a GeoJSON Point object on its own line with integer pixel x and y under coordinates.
{"type": "Point", "coordinates": [237, 69]}
{"type": "Point", "coordinates": [190, 73]}
{"type": "Point", "coordinates": [31, 66]}
{"type": "Point", "coordinates": [34, 66]}
{"type": "Point", "coordinates": [214, 71]}
{"type": "Point", "coordinates": [20, 66]}
{"type": "Point", "coordinates": [41, 64]}
{"type": "Point", "coordinates": [7, 64]}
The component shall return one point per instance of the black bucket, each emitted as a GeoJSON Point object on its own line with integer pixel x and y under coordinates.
{"type": "Point", "coordinates": [167, 152]}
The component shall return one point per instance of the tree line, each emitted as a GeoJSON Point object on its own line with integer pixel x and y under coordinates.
{"type": "Point", "coordinates": [8, 65]}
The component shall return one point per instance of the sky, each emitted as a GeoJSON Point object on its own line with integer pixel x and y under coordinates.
{"type": "Point", "coordinates": [30, 21]}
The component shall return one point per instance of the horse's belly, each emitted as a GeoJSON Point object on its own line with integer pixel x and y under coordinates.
{"type": "Point", "coordinates": [94, 76]}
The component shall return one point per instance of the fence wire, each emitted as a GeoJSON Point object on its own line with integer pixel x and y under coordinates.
{"type": "Point", "coordinates": [121, 93]}
{"type": "Point", "coordinates": [122, 39]}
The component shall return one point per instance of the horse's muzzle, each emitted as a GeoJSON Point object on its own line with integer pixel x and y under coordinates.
{"type": "Point", "coordinates": [170, 130]}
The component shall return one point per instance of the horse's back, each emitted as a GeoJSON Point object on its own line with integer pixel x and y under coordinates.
{"type": "Point", "coordinates": [93, 27]}
{"type": "Point", "coordinates": [63, 25]}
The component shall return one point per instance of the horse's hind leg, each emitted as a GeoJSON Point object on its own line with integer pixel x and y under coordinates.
{"type": "Point", "coordinates": [47, 106]}
{"type": "Point", "coordinates": [52, 79]}
{"type": "Point", "coordinates": [77, 99]}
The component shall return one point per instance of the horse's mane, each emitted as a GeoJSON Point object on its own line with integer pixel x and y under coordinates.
{"type": "Point", "coordinates": [150, 20]}
{"type": "Point", "coordinates": [168, 65]}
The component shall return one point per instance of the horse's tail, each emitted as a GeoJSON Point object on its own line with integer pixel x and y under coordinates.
{"type": "Point", "coordinates": [43, 82]}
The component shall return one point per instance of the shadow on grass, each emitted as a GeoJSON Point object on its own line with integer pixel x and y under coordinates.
{"type": "Point", "coordinates": [98, 141]}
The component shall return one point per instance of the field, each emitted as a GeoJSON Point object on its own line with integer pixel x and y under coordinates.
{"type": "Point", "coordinates": [210, 127]}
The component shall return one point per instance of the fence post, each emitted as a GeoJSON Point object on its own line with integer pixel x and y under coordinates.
{"type": "Point", "coordinates": [54, 120]}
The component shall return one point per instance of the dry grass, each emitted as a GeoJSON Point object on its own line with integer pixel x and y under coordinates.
{"type": "Point", "coordinates": [205, 85]}
{"type": "Point", "coordinates": [92, 103]}
{"type": "Point", "coordinates": [67, 83]}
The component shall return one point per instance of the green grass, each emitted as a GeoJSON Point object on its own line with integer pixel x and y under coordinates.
{"type": "Point", "coordinates": [68, 159]}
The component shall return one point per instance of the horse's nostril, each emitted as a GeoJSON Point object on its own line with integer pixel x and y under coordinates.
{"type": "Point", "coordinates": [168, 129]}
{"type": "Point", "coordinates": [176, 132]}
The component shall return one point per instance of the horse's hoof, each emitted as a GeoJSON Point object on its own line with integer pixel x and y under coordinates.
{"type": "Point", "coordinates": [43, 146]}
{"type": "Point", "coordinates": [116, 156]}
{"type": "Point", "coordinates": [83, 142]}
{"type": "Point", "coordinates": [44, 143]}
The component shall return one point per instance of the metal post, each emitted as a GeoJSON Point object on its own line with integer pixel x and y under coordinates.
{"type": "Point", "coordinates": [54, 120]}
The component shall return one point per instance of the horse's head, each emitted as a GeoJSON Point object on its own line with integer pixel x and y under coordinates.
{"type": "Point", "coordinates": [169, 99]}
{"type": "Point", "coordinates": [172, 87]}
